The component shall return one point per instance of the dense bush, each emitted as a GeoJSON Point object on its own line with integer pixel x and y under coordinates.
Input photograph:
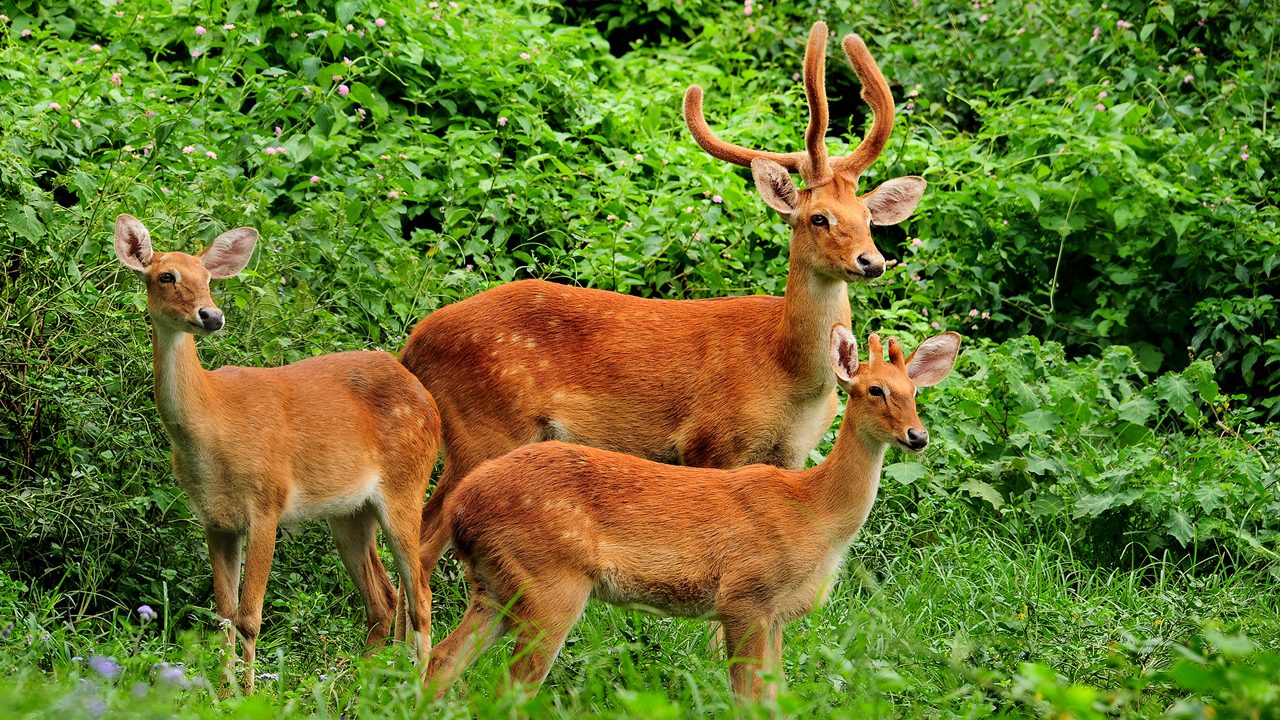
{"type": "Point", "coordinates": [1097, 181]}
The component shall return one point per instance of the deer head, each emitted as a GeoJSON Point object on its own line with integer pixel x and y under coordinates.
{"type": "Point", "coordinates": [830, 222]}
{"type": "Point", "coordinates": [882, 395]}
{"type": "Point", "coordinates": [177, 283]}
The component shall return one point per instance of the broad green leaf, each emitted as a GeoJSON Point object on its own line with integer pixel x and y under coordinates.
{"type": "Point", "coordinates": [980, 489]}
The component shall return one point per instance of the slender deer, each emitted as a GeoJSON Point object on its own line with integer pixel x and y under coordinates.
{"type": "Point", "coordinates": [547, 526]}
{"type": "Point", "coordinates": [532, 360]}
{"type": "Point", "coordinates": [350, 438]}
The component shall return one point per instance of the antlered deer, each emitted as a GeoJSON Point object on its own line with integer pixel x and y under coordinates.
{"type": "Point", "coordinates": [709, 383]}
{"type": "Point", "coordinates": [350, 438]}
{"type": "Point", "coordinates": [547, 526]}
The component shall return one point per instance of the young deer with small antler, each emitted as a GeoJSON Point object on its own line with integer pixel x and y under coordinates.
{"type": "Point", "coordinates": [547, 526]}
{"type": "Point", "coordinates": [350, 438]}
{"type": "Point", "coordinates": [532, 360]}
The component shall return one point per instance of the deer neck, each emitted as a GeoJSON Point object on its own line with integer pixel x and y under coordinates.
{"type": "Point", "coordinates": [812, 304]}
{"type": "Point", "coordinates": [843, 487]}
{"type": "Point", "coordinates": [181, 381]}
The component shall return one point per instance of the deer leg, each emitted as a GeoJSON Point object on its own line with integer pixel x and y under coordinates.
{"type": "Point", "coordinates": [542, 617]}
{"type": "Point", "coordinates": [480, 626]}
{"type": "Point", "coordinates": [400, 524]}
{"type": "Point", "coordinates": [747, 641]}
{"type": "Point", "coordinates": [224, 556]}
{"type": "Point", "coordinates": [248, 619]}
{"type": "Point", "coordinates": [357, 546]}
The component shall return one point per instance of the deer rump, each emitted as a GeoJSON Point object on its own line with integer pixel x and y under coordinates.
{"type": "Point", "coordinates": [677, 381]}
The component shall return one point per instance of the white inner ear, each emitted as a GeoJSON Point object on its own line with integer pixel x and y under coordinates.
{"type": "Point", "coordinates": [895, 200]}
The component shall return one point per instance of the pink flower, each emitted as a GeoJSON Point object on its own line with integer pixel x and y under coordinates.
{"type": "Point", "coordinates": [195, 53]}
{"type": "Point", "coordinates": [165, 190]}
{"type": "Point", "coordinates": [935, 325]}
{"type": "Point", "coordinates": [115, 79]}
{"type": "Point", "coordinates": [350, 27]}
{"type": "Point", "coordinates": [1100, 107]}
{"type": "Point", "coordinates": [524, 56]}
{"type": "Point", "coordinates": [454, 5]}
{"type": "Point", "coordinates": [279, 131]}
{"type": "Point", "coordinates": [1096, 32]}
{"type": "Point", "coordinates": [76, 122]}
{"type": "Point", "coordinates": [1188, 79]}
{"type": "Point", "coordinates": [433, 4]}
{"type": "Point", "coordinates": [211, 155]}
{"type": "Point", "coordinates": [1124, 24]}
{"type": "Point", "coordinates": [502, 122]}
{"type": "Point", "coordinates": [717, 199]}
{"type": "Point", "coordinates": [986, 315]}
{"type": "Point", "coordinates": [26, 32]}
{"type": "Point", "coordinates": [1102, 95]}
{"type": "Point", "coordinates": [269, 151]}
{"type": "Point", "coordinates": [469, 268]}
{"type": "Point", "coordinates": [917, 242]}
{"type": "Point", "coordinates": [315, 179]}
{"type": "Point", "coordinates": [1244, 156]}
{"type": "Point", "coordinates": [343, 90]}
{"type": "Point", "coordinates": [54, 106]}
{"type": "Point", "coordinates": [95, 47]}
{"type": "Point", "coordinates": [228, 26]}
{"type": "Point", "coordinates": [188, 149]}
{"type": "Point", "coordinates": [911, 106]}
{"type": "Point", "coordinates": [150, 113]}
{"type": "Point", "coordinates": [346, 60]}
{"type": "Point", "coordinates": [394, 194]}
{"type": "Point", "coordinates": [200, 30]}
{"type": "Point", "coordinates": [973, 313]}
{"type": "Point", "coordinates": [746, 9]}
{"type": "Point", "coordinates": [380, 22]}
{"type": "Point", "coordinates": [610, 217]}
{"type": "Point", "coordinates": [983, 17]}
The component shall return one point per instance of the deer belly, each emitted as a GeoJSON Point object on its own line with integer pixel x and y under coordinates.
{"type": "Point", "coordinates": [326, 500]}
{"type": "Point", "coordinates": [681, 597]}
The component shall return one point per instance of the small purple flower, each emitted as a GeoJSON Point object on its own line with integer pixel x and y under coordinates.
{"type": "Point", "coordinates": [524, 56]}
{"type": "Point", "coordinates": [170, 675]}
{"type": "Point", "coordinates": [1244, 156]}
{"type": "Point", "coordinates": [717, 199]}
{"type": "Point", "coordinates": [105, 666]}
{"type": "Point", "coordinates": [315, 179]}
{"type": "Point", "coordinates": [502, 122]}
{"type": "Point", "coordinates": [95, 47]}
{"type": "Point", "coordinates": [54, 106]}
{"type": "Point", "coordinates": [344, 90]}
{"type": "Point", "coordinates": [146, 613]}
{"type": "Point", "coordinates": [380, 22]}
{"type": "Point", "coordinates": [200, 30]}
{"type": "Point", "coordinates": [95, 707]}
{"type": "Point", "coordinates": [1096, 32]}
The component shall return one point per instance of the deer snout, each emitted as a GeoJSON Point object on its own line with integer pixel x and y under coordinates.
{"type": "Point", "coordinates": [211, 318]}
{"type": "Point", "coordinates": [870, 265]}
{"type": "Point", "coordinates": [917, 438]}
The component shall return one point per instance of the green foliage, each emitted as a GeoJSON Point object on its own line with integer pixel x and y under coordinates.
{"type": "Point", "coordinates": [1096, 493]}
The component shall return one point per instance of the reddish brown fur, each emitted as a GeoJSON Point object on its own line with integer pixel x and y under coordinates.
{"type": "Point", "coordinates": [549, 525]}
{"type": "Point", "coordinates": [711, 383]}
{"type": "Point", "coordinates": [350, 438]}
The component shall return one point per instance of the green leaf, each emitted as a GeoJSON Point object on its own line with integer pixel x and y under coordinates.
{"type": "Point", "coordinates": [1041, 420]}
{"type": "Point", "coordinates": [1180, 223]}
{"type": "Point", "coordinates": [906, 472]}
{"type": "Point", "coordinates": [1179, 526]}
{"type": "Point", "coordinates": [980, 489]}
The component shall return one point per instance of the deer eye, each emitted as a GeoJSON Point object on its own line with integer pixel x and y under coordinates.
{"type": "Point", "coordinates": [876, 391]}
{"type": "Point", "coordinates": [819, 219]}
{"type": "Point", "coordinates": [167, 278]}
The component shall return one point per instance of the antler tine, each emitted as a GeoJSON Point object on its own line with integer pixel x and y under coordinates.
{"type": "Point", "coordinates": [729, 152]}
{"type": "Point", "coordinates": [875, 349]}
{"type": "Point", "coordinates": [895, 353]}
{"type": "Point", "coordinates": [818, 171]}
{"type": "Point", "coordinates": [875, 91]}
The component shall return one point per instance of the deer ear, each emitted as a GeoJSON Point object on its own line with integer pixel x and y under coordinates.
{"type": "Point", "coordinates": [775, 185]}
{"type": "Point", "coordinates": [931, 363]}
{"type": "Point", "coordinates": [844, 354]}
{"type": "Point", "coordinates": [133, 243]}
{"type": "Point", "coordinates": [229, 253]}
{"type": "Point", "coordinates": [894, 200]}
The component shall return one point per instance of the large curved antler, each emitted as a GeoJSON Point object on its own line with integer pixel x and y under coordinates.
{"type": "Point", "coordinates": [875, 91]}
{"type": "Point", "coordinates": [812, 165]}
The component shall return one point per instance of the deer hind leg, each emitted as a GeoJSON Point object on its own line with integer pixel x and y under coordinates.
{"type": "Point", "coordinates": [401, 519]}
{"type": "Point", "coordinates": [480, 626]}
{"type": "Point", "coordinates": [355, 536]}
{"type": "Point", "coordinates": [262, 548]}
{"type": "Point", "coordinates": [224, 556]}
{"type": "Point", "coordinates": [542, 616]}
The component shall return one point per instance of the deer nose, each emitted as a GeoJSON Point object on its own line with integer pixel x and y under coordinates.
{"type": "Point", "coordinates": [211, 318]}
{"type": "Point", "coordinates": [917, 438]}
{"type": "Point", "coordinates": [871, 264]}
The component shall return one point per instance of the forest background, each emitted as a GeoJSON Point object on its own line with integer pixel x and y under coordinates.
{"type": "Point", "coordinates": [1093, 533]}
